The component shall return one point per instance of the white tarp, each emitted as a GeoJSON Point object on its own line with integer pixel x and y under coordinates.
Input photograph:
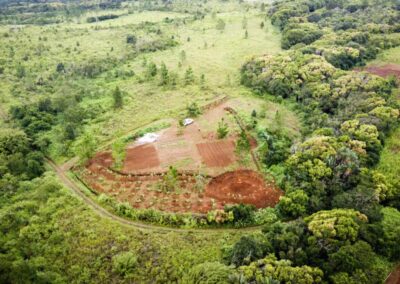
{"type": "Point", "coordinates": [187, 121]}
{"type": "Point", "coordinates": [147, 138]}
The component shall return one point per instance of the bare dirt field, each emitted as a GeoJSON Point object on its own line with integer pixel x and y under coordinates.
{"type": "Point", "coordinates": [194, 147]}
{"type": "Point", "coordinates": [385, 70]}
{"type": "Point", "coordinates": [141, 157]}
{"type": "Point", "coordinates": [243, 186]}
{"type": "Point", "coordinates": [194, 193]}
{"type": "Point", "coordinates": [218, 153]}
{"type": "Point", "coordinates": [209, 178]}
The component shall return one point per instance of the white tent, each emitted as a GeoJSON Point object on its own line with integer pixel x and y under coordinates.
{"type": "Point", "coordinates": [147, 138]}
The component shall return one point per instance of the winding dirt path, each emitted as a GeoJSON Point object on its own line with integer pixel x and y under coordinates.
{"type": "Point", "coordinates": [69, 183]}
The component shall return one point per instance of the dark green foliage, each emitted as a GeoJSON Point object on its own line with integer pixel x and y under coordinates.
{"type": "Point", "coordinates": [189, 76]}
{"type": "Point", "coordinates": [305, 33]}
{"type": "Point", "coordinates": [17, 156]}
{"type": "Point", "coordinates": [117, 98]}
{"type": "Point", "coordinates": [242, 213]}
{"type": "Point", "coordinates": [246, 250]}
{"type": "Point", "coordinates": [131, 39]}
{"type": "Point", "coordinates": [352, 257]}
{"type": "Point", "coordinates": [347, 116]}
{"type": "Point", "coordinates": [162, 43]}
{"type": "Point", "coordinates": [222, 130]}
{"type": "Point", "coordinates": [242, 143]}
{"type": "Point", "coordinates": [276, 148]}
{"type": "Point", "coordinates": [193, 110]}
{"type": "Point", "coordinates": [164, 76]}
{"type": "Point", "coordinates": [101, 18]}
{"type": "Point", "coordinates": [151, 70]}
{"type": "Point", "coordinates": [288, 240]}
{"type": "Point", "coordinates": [60, 67]}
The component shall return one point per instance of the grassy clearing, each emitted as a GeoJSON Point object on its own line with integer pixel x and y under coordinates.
{"type": "Point", "coordinates": [216, 54]}
{"type": "Point", "coordinates": [388, 56]}
{"type": "Point", "coordinates": [390, 157]}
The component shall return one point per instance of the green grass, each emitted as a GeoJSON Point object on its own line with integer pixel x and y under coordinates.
{"type": "Point", "coordinates": [388, 56]}
{"type": "Point", "coordinates": [390, 157]}
{"type": "Point", "coordinates": [218, 55]}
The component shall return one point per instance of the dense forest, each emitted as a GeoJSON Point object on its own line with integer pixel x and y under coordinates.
{"type": "Point", "coordinates": [79, 76]}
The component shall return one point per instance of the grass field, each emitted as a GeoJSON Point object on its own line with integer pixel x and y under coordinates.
{"type": "Point", "coordinates": [388, 56]}
{"type": "Point", "coordinates": [216, 54]}
{"type": "Point", "coordinates": [390, 157]}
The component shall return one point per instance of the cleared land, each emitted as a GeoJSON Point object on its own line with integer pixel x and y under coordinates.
{"type": "Point", "coordinates": [210, 176]}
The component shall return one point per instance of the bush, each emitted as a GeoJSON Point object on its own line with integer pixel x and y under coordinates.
{"type": "Point", "coordinates": [101, 18]}
{"type": "Point", "coordinates": [304, 33]}
{"type": "Point", "coordinates": [242, 213]}
{"type": "Point", "coordinates": [193, 110]}
{"type": "Point", "coordinates": [222, 130]}
{"type": "Point", "coordinates": [246, 250]}
{"type": "Point", "coordinates": [131, 39]}
{"type": "Point", "coordinates": [124, 263]}
{"type": "Point", "coordinates": [208, 273]}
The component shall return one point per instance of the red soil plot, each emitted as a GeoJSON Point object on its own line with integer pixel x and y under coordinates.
{"type": "Point", "coordinates": [218, 153]}
{"type": "Point", "coordinates": [140, 158]}
{"type": "Point", "coordinates": [385, 70]}
{"type": "Point", "coordinates": [243, 186]}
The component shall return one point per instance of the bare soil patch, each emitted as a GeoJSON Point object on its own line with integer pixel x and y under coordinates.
{"type": "Point", "coordinates": [142, 190]}
{"type": "Point", "coordinates": [217, 154]}
{"type": "Point", "coordinates": [385, 70]}
{"type": "Point", "coordinates": [394, 277]}
{"type": "Point", "coordinates": [141, 157]}
{"type": "Point", "coordinates": [243, 186]}
{"type": "Point", "coordinates": [192, 149]}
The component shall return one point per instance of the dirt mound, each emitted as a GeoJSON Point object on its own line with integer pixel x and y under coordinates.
{"type": "Point", "coordinates": [385, 70]}
{"type": "Point", "coordinates": [141, 157]}
{"type": "Point", "coordinates": [243, 186]}
{"type": "Point", "coordinates": [218, 153]}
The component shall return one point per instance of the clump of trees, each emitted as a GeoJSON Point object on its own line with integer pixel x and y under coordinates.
{"type": "Point", "coordinates": [101, 18]}
{"type": "Point", "coordinates": [333, 225]}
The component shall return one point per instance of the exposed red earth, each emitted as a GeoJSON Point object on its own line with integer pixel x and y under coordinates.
{"type": "Point", "coordinates": [394, 277]}
{"type": "Point", "coordinates": [192, 149]}
{"type": "Point", "coordinates": [385, 70]}
{"type": "Point", "coordinates": [218, 153]}
{"type": "Point", "coordinates": [243, 186]}
{"type": "Point", "coordinates": [143, 191]}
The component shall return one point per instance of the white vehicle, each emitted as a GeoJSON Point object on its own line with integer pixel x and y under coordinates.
{"type": "Point", "coordinates": [187, 121]}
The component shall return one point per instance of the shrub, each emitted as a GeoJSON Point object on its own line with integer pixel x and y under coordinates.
{"type": "Point", "coordinates": [304, 33]}
{"type": "Point", "coordinates": [242, 213]}
{"type": "Point", "coordinates": [222, 130]}
{"type": "Point", "coordinates": [124, 263]}
{"type": "Point", "coordinates": [246, 250]}
{"type": "Point", "coordinates": [208, 273]}
{"type": "Point", "coordinates": [131, 39]}
{"type": "Point", "coordinates": [193, 110]}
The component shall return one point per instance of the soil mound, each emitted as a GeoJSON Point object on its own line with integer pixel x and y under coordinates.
{"type": "Point", "coordinates": [243, 186]}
